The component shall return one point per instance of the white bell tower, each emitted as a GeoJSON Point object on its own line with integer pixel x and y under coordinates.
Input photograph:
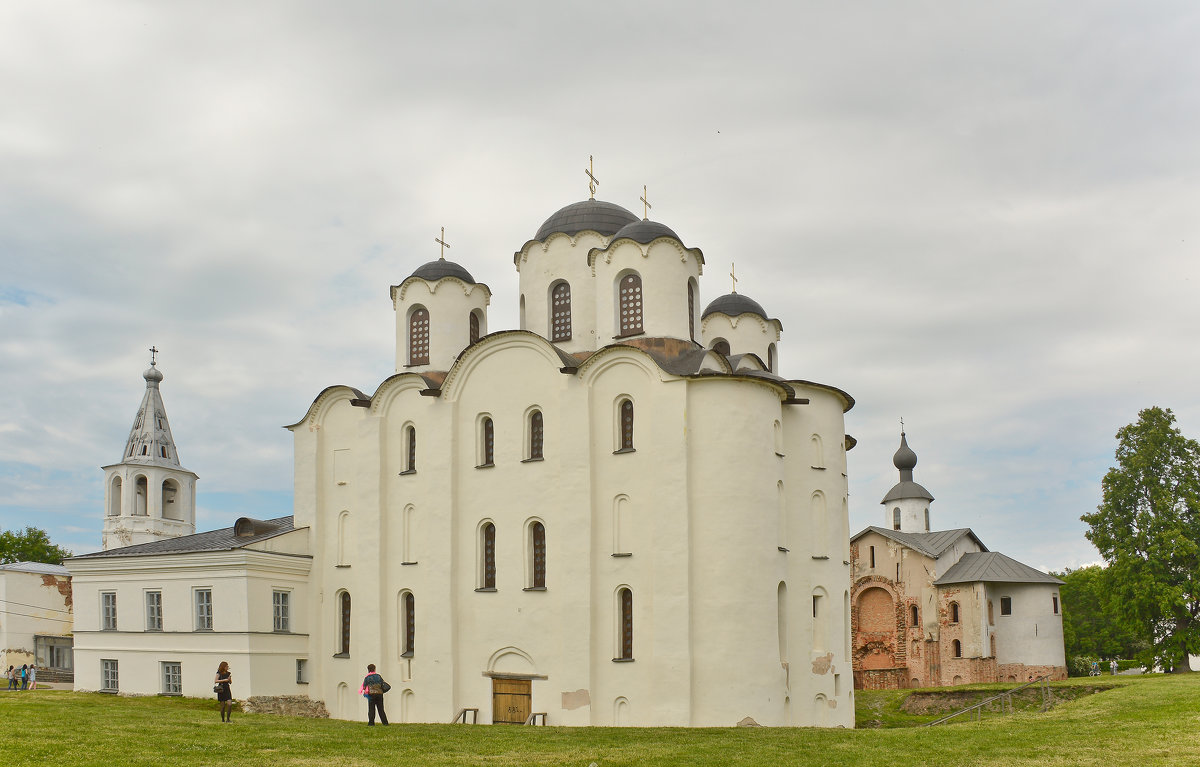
{"type": "Point", "coordinates": [148, 496]}
{"type": "Point", "coordinates": [906, 505]}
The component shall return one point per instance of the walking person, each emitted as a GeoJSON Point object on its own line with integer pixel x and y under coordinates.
{"type": "Point", "coordinates": [375, 687]}
{"type": "Point", "coordinates": [12, 685]}
{"type": "Point", "coordinates": [221, 683]}
{"type": "Point", "coordinates": [24, 676]}
{"type": "Point", "coordinates": [32, 677]}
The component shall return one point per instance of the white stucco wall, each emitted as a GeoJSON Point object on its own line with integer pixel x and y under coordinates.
{"type": "Point", "coordinates": [1033, 633]}
{"type": "Point", "coordinates": [746, 334]}
{"type": "Point", "coordinates": [450, 302]}
{"type": "Point", "coordinates": [34, 604]}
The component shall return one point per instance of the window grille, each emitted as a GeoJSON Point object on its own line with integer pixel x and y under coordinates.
{"type": "Point", "coordinates": [538, 533]}
{"type": "Point", "coordinates": [344, 648]}
{"type": "Point", "coordinates": [172, 678]}
{"type": "Point", "coordinates": [535, 434]}
{"type": "Point", "coordinates": [418, 337]}
{"type": "Point", "coordinates": [474, 323]}
{"type": "Point", "coordinates": [204, 613]}
{"type": "Point", "coordinates": [154, 611]}
{"type": "Point", "coordinates": [108, 611]}
{"type": "Point", "coordinates": [488, 439]}
{"type": "Point", "coordinates": [626, 597]}
{"type": "Point", "coordinates": [108, 676]}
{"type": "Point", "coordinates": [627, 425]}
{"type": "Point", "coordinates": [631, 305]}
{"type": "Point", "coordinates": [410, 625]}
{"type": "Point", "coordinates": [489, 556]}
{"type": "Point", "coordinates": [281, 608]}
{"type": "Point", "coordinates": [560, 312]}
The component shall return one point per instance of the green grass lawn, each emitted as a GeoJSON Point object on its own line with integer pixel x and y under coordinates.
{"type": "Point", "coordinates": [1143, 721]}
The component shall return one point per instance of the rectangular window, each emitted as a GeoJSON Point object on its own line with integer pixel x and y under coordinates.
{"type": "Point", "coordinates": [872, 557]}
{"type": "Point", "coordinates": [280, 602]}
{"type": "Point", "coordinates": [108, 611]}
{"type": "Point", "coordinates": [1054, 603]}
{"type": "Point", "coordinates": [301, 671]}
{"type": "Point", "coordinates": [154, 611]}
{"type": "Point", "coordinates": [108, 675]}
{"type": "Point", "coordinates": [172, 678]}
{"type": "Point", "coordinates": [1006, 605]}
{"type": "Point", "coordinates": [204, 610]}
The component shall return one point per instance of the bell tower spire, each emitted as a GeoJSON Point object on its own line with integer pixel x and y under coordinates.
{"type": "Point", "coordinates": [906, 505]}
{"type": "Point", "coordinates": [149, 495]}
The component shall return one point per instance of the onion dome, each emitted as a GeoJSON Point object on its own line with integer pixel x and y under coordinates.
{"type": "Point", "coordinates": [152, 374]}
{"type": "Point", "coordinates": [436, 270]}
{"type": "Point", "coordinates": [645, 231]}
{"type": "Point", "coordinates": [733, 304]}
{"type": "Point", "coordinates": [589, 215]}
{"type": "Point", "coordinates": [906, 460]}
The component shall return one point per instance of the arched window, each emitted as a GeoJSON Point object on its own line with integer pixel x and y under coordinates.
{"type": "Point", "coordinates": [691, 310]}
{"type": "Point", "coordinates": [171, 508]}
{"type": "Point", "coordinates": [957, 645]}
{"type": "Point", "coordinates": [781, 620]}
{"type": "Point", "coordinates": [344, 623]}
{"type": "Point", "coordinates": [954, 612]}
{"type": "Point", "coordinates": [140, 501]}
{"type": "Point", "coordinates": [537, 548]}
{"type": "Point", "coordinates": [625, 621]}
{"type": "Point", "coordinates": [626, 411]}
{"type": "Point", "coordinates": [820, 633]}
{"type": "Point", "coordinates": [926, 519]}
{"type": "Point", "coordinates": [913, 616]}
{"type": "Point", "coordinates": [487, 564]}
{"type": "Point", "coordinates": [410, 624]}
{"type": "Point", "coordinates": [474, 324]}
{"type": "Point", "coordinates": [991, 615]}
{"type": "Point", "coordinates": [771, 362]}
{"type": "Point", "coordinates": [535, 435]}
{"type": "Point", "coordinates": [721, 346]}
{"type": "Point", "coordinates": [418, 336]}
{"type": "Point", "coordinates": [114, 497]}
{"type": "Point", "coordinates": [630, 302]}
{"type": "Point", "coordinates": [818, 452]}
{"type": "Point", "coordinates": [410, 444]}
{"type": "Point", "coordinates": [560, 312]}
{"type": "Point", "coordinates": [487, 442]}
{"type": "Point", "coordinates": [992, 642]}
{"type": "Point", "coordinates": [896, 518]}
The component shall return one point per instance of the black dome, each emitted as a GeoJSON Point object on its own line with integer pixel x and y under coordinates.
{"type": "Point", "coordinates": [645, 231]}
{"type": "Point", "coordinates": [436, 270]}
{"type": "Point", "coordinates": [734, 304]}
{"type": "Point", "coordinates": [595, 215]}
{"type": "Point", "coordinates": [905, 458]}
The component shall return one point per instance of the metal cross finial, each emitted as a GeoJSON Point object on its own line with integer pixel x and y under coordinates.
{"type": "Point", "coordinates": [733, 277]}
{"type": "Point", "coordinates": [592, 180]}
{"type": "Point", "coordinates": [902, 426]}
{"type": "Point", "coordinates": [646, 203]}
{"type": "Point", "coordinates": [153, 355]}
{"type": "Point", "coordinates": [442, 241]}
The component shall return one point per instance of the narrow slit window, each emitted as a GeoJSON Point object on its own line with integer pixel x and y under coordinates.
{"type": "Point", "coordinates": [487, 444]}
{"type": "Point", "coordinates": [954, 612]}
{"type": "Point", "coordinates": [488, 544]}
{"type": "Point", "coordinates": [627, 425]}
{"type": "Point", "coordinates": [957, 649]}
{"type": "Point", "coordinates": [631, 305]}
{"type": "Point", "coordinates": [538, 534]}
{"type": "Point", "coordinates": [691, 311]}
{"type": "Point", "coordinates": [344, 644]}
{"type": "Point", "coordinates": [410, 624]}
{"type": "Point", "coordinates": [1006, 605]}
{"type": "Point", "coordinates": [560, 312]}
{"type": "Point", "coordinates": [626, 618]}
{"type": "Point", "coordinates": [411, 434]}
{"type": "Point", "coordinates": [418, 337]}
{"type": "Point", "coordinates": [474, 323]}
{"type": "Point", "coordinates": [535, 434]}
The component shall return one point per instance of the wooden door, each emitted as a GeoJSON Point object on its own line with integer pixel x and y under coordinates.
{"type": "Point", "coordinates": [511, 700]}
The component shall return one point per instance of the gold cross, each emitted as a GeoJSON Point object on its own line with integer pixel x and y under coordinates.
{"type": "Point", "coordinates": [592, 180]}
{"type": "Point", "coordinates": [646, 203]}
{"type": "Point", "coordinates": [733, 277]}
{"type": "Point", "coordinates": [153, 355]}
{"type": "Point", "coordinates": [442, 241]}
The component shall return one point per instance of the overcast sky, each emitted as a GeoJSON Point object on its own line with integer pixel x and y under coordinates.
{"type": "Point", "coordinates": [980, 217]}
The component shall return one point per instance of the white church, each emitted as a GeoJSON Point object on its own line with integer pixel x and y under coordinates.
{"type": "Point", "coordinates": [621, 513]}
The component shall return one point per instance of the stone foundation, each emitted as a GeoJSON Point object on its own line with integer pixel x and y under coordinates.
{"type": "Point", "coordinates": [881, 679]}
{"type": "Point", "coordinates": [285, 705]}
{"type": "Point", "coordinates": [1019, 672]}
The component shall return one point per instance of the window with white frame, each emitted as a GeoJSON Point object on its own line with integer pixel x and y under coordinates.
{"type": "Point", "coordinates": [108, 675]}
{"type": "Point", "coordinates": [281, 607]}
{"type": "Point", "coordinates": [301, 671]}
{"type": "Point", "coordinates": [108, 611]}
{"type": "Point", "coordinates": [154, 614]}
{"type": "Point", "coordinates": [172, 678]}
{"type": "Point", "coordinates": [204, 614]}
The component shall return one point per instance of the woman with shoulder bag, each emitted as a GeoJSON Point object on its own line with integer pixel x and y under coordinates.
{"type": "Point", "coordinates": [221, 684]}
{"type": "Point", "coordinates": [375, 687]}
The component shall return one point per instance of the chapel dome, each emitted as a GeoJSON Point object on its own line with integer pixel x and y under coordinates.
{"type": "Point", "coordinates": [436, 270]}
{"type": "Point", "coordinates": [595, 215]}
{"type": "Point", "coordinates": [645, 231]}
{"type": "Point", "coordinates": [733, 304]}
{"type": "Point", "coordinates": [904, 457]}
{"type": "Point", "coordinates": [153, 374]}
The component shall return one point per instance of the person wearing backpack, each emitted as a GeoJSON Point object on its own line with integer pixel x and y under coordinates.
{"type": "Point", "coordinates": [373, 688]}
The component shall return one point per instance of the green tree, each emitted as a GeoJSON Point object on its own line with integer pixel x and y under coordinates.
{"type": "Point", "coordinates": [1093, 622]}
{"type": "Point", "coordinates": [30, 545]}
{"type": "Point", "coordinates": [1148, 529]}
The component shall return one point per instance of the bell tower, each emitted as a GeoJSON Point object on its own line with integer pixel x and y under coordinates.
{"type": "Point", "coordinates": [148, 496]}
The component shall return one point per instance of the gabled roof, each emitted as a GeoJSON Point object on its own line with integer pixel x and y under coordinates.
{"type": "Point", "coordinates": [930, 544]}
{"type": "Point", "coordinates": [992, 567]}
{"type": "Point", "coordinates": [38, 568]}
{"type": "Point", "coordinates": [225, 539]}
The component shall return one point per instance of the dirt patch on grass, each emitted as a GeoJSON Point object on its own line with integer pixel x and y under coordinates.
{"type": "Point", "coordinates": [947, 701]}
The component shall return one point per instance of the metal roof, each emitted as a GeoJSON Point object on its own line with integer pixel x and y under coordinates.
{"type": "Point", "coordinates": [645, 231]}
{"type": "Point", "coordinates": [734, 304]}
{"type": "Point", "coordinates": [588, 215]}
{"type": "Point", "coordinates": [224, 539]}
{"type": "Point", "coordinates": [150, 442]}
{"type": "Point", "coordinates": [992, 567]}
{"type": "Point", "coordinates": [40, 568]}
{"type": "Point", "coordinates": [930, 544]}
{"type": "Point", "coordinates": [436, 270]}
{"type": "Point", "coordinates": [906, 489]}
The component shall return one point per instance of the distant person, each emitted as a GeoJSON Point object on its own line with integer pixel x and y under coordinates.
{"type": "Point", "coordinates": [24, 676]}
{"type": "Point", "coordinates": [32, 677]}
{"type": "Point", "coordinates": [221, 683]}
{"type": "Point", "coordinates": [1113, 665]}
{"type": "Point", "coordinates": [375, 687]}
{"type": "Point", "coordinates": [12, 684]}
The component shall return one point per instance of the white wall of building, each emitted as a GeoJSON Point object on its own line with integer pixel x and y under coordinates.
{"type": "Point", "coordinates": [34, 604]}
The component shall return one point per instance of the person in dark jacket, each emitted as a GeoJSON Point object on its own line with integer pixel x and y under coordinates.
{"type": "Point", "coordinates": [221, 682]}
{"type": "Point", "coordinates": [373, 688]}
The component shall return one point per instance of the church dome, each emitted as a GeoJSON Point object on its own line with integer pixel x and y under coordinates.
{"type": "Point", "coordinates": [905, 458]}
{"type": "Point", "coordinates": [645, 231]}
{"type": "Point", "coordinates": [733, 304]}
{"type": "Point", "coordinates": [153, 374]}
{"type": "Point", "coordinates": [436, 270]}
{"type": "Point", "coordinates": [595, 215]}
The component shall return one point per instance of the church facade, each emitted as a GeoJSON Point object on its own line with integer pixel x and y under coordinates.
{"type": "Point", "coordinates": [936, 608]}
{"type": "Point", "coordinates": [620, 513]}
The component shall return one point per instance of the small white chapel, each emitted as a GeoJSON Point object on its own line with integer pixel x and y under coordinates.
{"type": "Point", "coordinates": [621, 513]}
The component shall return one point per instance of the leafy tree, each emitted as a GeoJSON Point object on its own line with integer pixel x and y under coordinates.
{"type": "Point", "coordinates": [30, 545]}
{"type": "Point", "coordinates": [1148, 530]}
{"type": "Point", "coordinates": [1093, 622]}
